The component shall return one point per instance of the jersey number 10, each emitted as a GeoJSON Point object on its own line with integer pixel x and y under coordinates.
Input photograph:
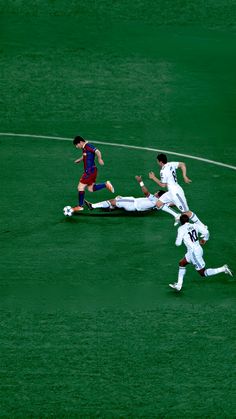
{"type": "Point", "coordinates": [193, 235]}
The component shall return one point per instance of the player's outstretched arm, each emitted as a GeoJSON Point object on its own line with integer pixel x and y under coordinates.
{"type": "Point", "coordinates": [78, 160]}
{"type": "Point", "coordinates": [143, 187]}
{"type": "Point", "coordinates": [182, 166]}
{"type": "Point", "coordinates": [156, 180]}
{"type": "Point", "coordinates": [99, 156]}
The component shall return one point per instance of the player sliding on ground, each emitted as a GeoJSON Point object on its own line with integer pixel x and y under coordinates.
{"type": "Point", "coordinates": [129, 203]}
{"type": "Point", "coordinates": [89, 176]}
{"type": "Point", "coordinates": [175, 193]}
{"type": "Point", "coordinates": [188, 233]}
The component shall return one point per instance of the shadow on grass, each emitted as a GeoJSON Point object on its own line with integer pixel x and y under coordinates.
{"type": "Point", "coordinates": [112, 213]}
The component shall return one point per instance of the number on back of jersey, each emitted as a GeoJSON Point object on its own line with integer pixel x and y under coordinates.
{"type": "Point", "coordinates": [174, 176]}
{"type": "Point", "coordinates": [193, 235]}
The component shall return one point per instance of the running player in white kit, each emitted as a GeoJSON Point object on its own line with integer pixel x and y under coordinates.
{"type": "Point", "coordinates": [175, 192]}
{"type": "Point", "coordinates": [188, 233]}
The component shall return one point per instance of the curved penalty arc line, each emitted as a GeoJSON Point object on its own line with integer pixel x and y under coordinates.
{"type": "Point", "coordinates": [189, 156]}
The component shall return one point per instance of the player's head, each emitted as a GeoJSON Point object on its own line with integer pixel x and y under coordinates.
{"type": "Point", "coordinates": [78, 141]}
{"type": "Point", "coordinates": [161, 159]}
{"type": "Point", "coordinates": [158, 194]}
{"type": "Point", "coordinates": [184, 219]}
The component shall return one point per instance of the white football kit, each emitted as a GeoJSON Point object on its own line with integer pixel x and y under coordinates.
{"type": "Point", "coordinates": [188, 233]}
{"type": "Point", "coordinates": [129, 203]}
{"type": "Point", "coordinates": [175, 193]}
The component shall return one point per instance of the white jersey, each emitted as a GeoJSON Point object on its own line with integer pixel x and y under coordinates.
{"type": "Point", "coordinates": [175, 192]}
{"type": "Point", "coordinates": [168, 174]}
{"type": "Point", "coordinates": [188, 233]}
{"type": "Point", "coordinates": [144, 204]}
{"type": "Point", "coordinates": [129, 203]}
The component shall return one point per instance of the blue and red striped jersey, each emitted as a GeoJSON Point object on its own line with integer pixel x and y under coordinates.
{"type": "Point", "coordinates": [89, 157]}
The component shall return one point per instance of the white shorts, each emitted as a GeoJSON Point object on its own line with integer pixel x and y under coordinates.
{"type": "Point", "coordinates": [177, 197]}
{"type": "Point", "coordinates": [126, 202]}
{"type": "Point", "coordinates": [195, 257]}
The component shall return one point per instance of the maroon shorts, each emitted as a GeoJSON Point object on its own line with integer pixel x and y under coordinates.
{"type": "Point", "coordinates": [89, 178]}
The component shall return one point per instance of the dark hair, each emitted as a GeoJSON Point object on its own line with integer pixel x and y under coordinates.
{"type": "Point", "coordinates": [162, 157]}
{"type": "Point", "coordinates": [78, 139]}
{"type": "Point", "coordinates": [160, 193]}
{"type": "Point", "coordinates": [184, 219]}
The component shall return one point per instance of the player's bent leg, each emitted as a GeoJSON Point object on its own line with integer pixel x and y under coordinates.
{"type": "Point", "coordinates": [193, 217]}
{"type": "Point", "coordinates": [103, 204]}
{"type": "Point", "coordinates": [96, 187]}
{"type": "Point", "coordinates": [215, 271]}
{"type": "Point", "coordinates": [170, 199]}
{"type": "Point", "coordinates": [180, 201]}
{"type": "Point", "coordinates": [164, 207]}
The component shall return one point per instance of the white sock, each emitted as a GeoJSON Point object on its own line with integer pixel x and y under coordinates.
{"type": "Point", "coordinates": [215, 271]}
{"type": "Point", "coordinates": [182, 272]}
{"type": "Point", "coordinates": [196, 220]}
{"type": "Point", "coordinates": [169, 210]}
{"type": "Point", "coordinates": [103, 204]}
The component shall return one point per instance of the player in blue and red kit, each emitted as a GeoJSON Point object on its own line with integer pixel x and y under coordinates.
{"type": "Point", "coordinates": [89, 176]}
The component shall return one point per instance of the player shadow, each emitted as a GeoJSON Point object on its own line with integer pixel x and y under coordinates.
{"type": "Point", "coordinates": [117, 212]}
{"type": "Point", "coordinates": [174, 294]}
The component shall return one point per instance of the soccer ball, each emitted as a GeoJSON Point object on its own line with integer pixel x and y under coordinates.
{"type": "Point", "coordinates": [68, 211]}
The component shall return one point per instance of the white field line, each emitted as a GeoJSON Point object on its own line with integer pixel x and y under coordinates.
{"type": "Point", "coordinates": [189, 156]}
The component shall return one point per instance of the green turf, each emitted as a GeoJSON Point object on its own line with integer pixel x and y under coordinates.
{"type": "Point", "coordinates": [89, 326]}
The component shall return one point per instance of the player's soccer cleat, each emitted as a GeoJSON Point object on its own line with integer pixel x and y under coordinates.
{"type": "Point", "coordinates": [89, 205]}
{"type": "Point", "coordinates": [228, 271]}
{"type": "Point", "coordinates": [77, 209]}
{"type": "Point", "coordinates": [177, 220]}
{"type": "Point", "coordinates": [109, 186]}
{"type": "Point", "coordinates": [175, 286]}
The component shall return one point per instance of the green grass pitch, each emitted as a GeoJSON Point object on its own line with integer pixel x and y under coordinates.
{"type": "Point", "coordinates": [89, 326]}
